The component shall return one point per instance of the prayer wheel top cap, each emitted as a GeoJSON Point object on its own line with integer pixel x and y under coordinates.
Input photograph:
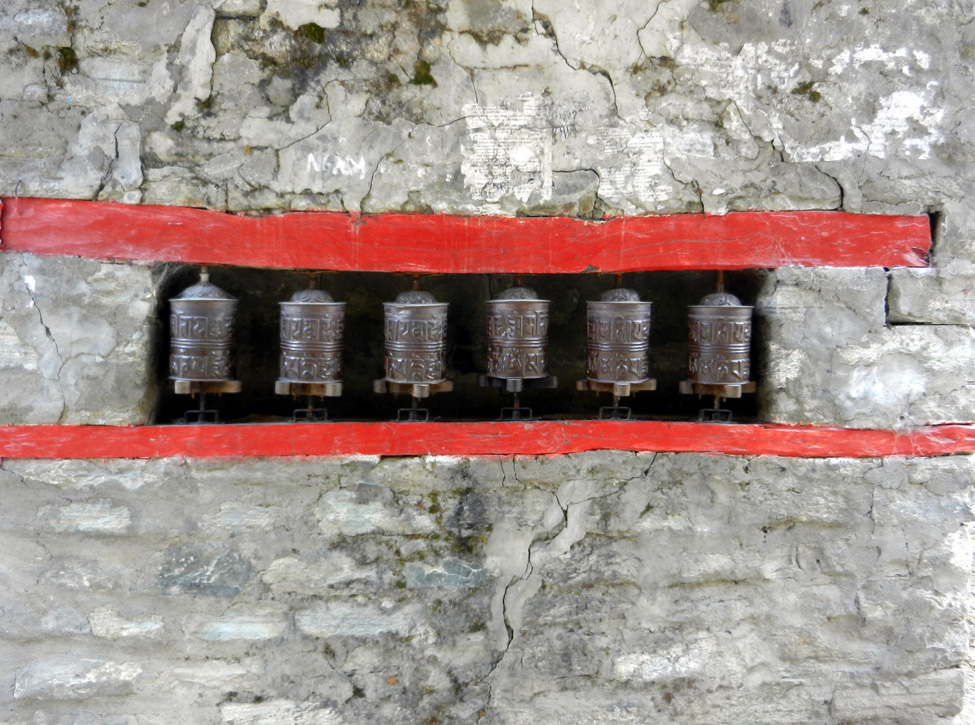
{"type": "Point", "coordinates": [204, 290]}
{"type": "Point", "coordinates": [720, 299]}
{"type": "Point", "coordinates": [312, 296]}
{"type": "Point", "coordinates": [620, 295]}
{"type": "Point", "coordinates": [415, 297]}
{"type": "Point", "coordinates": [518, 293]}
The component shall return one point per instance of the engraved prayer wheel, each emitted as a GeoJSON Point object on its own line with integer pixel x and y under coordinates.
{"type": "Point", "coordinates": [517, 335]}
{"type": "Point", "coordinates": [416, 339]}
{"type": "Point", "coordinates": [312, 330]}
{"type": "Point", "coordinates": [202, 339]}
{"type": "Point", "coordinates": [720, 334]}
{"type": "Point", "coordinates": [618, 338]}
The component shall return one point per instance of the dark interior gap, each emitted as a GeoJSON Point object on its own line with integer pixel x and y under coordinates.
{"type": "Point", "coordinates": [260, 290]}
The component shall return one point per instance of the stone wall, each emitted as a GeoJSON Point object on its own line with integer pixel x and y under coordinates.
{"type": "Point", "coordinates": [597, 588]}
{"type": "Point", "coordinates": [594, 588]}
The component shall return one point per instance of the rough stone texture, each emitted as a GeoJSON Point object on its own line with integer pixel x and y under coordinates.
{"type": "Point", "coordinates": [827, 356]}
{"type": "Point", "coordinates": [500, 106]}
{"type": "Point", "coordinates": [595, 588]}
{"type": "Point", "coordinates": [936, 296]}
{"type": "Point", "coordinates": [76, 341]}
{"type": "Point", "coordinates": [599, 588]}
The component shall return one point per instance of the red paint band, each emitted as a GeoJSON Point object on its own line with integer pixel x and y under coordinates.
{"type": "Point", "coordinates": [475, 439]}
{"type": "Point", "coordinates": [462, 245]}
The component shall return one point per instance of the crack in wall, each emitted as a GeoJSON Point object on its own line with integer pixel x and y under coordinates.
{"type": "Point", "coordinates": [26, 277]}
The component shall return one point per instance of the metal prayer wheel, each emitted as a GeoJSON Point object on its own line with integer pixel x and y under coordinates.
{"type": "Point", "coordinates": [618, 338]}
{"type": "Point", "coordinates": [719, 337]}
{"type": "Point", "coordinates": [517, 335]}
{"type": "Point", "coordinates": [312, 330]}
{"type": "Point", "coordinates": [416, 339]}
{"type": "Point", "coordinates": [202, 339]}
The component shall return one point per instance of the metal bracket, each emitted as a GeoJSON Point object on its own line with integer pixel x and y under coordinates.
{"type": "Point", "coordinates": [515, 414]}
{"type": "Point", "coordinates": [714, 415]}
{"type": "Point", "coordinates": [615, 412]}
{"type": "Point", "coordinates": [413, 415]}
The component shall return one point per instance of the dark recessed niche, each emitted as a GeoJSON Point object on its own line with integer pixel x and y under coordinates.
{"type": "Point", "coordinates": [258, 345]}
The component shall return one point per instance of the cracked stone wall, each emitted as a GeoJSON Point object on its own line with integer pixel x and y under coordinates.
{"type": "Point", "coordinates": [581, 589]}
{"type": "Point", "coordinates": [597, 588]}
{"type": "Point", "coordinates": [530, 107]}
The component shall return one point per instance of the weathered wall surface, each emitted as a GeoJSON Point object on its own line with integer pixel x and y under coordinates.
{"type": "Point", "coordinates": [487, 106]}
{"type": "Point", "coordinates": [597, 588]}
{"type": "Point", "coordinates": [594, 588]}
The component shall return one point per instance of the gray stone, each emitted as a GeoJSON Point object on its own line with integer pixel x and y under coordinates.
{"type": "Point", "coordinates": [107, 624]}
{"type": "Point", "coordinates": [915, 699]}
{"type": "Point", "coordinates": [241, 623]}
{"type": "Point", "coordinates": [35, 24]}
{"type": "Point", "coordinates": [93, 517]}
{"type": "Point", "coordinates": [452, 573]}
{"type": "Point", "coordinates": [829, 359]}
{"type": "Point", "coordinates": [935, 296]}
{"type": "Point", "coordinates": [295, 13]}
{"type": "Point", "coordinates": [280, 712]}
{"type": "Point", "coordinates": [337, 569]}
{"type": "Point", "coordinates": [194, 570]}
{"type": "Point", "coordinates": [237, 8]}
{"type": "Point", "coordinates": [69, 678]}
{"type": "Point", "coordinates": [195, 60]}
{"type": "Point", "coordinates": [76, 341]}
{"type": "Point", "coordinates": [337, 618]}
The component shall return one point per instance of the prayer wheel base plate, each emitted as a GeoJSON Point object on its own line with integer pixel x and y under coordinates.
{"type": "Point", "coordinates": [319, 390]}
{"type": "Point", "coordinates": [620, 390]}
{"type": "Point", "coordinates": [516, 385]}
{"type": "Point", "coordinates": [727, 390]}
{"type": "Point", "coordinates": [417, 390]}
{"type": "Point", "coordinates": [192, 387]}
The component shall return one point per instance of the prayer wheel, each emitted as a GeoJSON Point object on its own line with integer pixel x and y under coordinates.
{"type": "Point", "coordinates": [719, 341]}
{"type": "Point", "coordinates": [618, 338]}
{"type": "Point", "coordinates": [202, 337]}
{"type": "Point", "coordinates": [517, 335]}
{"type": "Point", "coordinates": [416, 339]}
{"type": "Point", "coordinates": [312, 329]}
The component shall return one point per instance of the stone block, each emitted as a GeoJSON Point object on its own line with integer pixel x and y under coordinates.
{"type": "Point", "coordinates": [106, 623]}
{"type": "Point", "coordinates": [194, 570]}
{"type": "Point", "coordinates": [826, 357]}
{"type": "Point", "coordinates": [69, 678]}
{"type": "Point", "coordinates": [338, 618]}
{"type": "Point", "coordinates": [316, 577]}
{"type": "Point", "coordinates": [954, 234]}
{"type": "Point", "coordinates": [451, 573]}
{"type": "Point", "coordinates": [241, 623]}
{"type": "Point", "coordinates": [76, 337]}
{"type": "Point", "coordinates": [921, 699]}
{"type": "Point", "coordinates": [369, 508]}
{"type": "Point", "coordinates": [933, 296]}
{"type": "Point", "coordinates": [280, 712]}
{"type": "Point", "coordinates": [93, 517]}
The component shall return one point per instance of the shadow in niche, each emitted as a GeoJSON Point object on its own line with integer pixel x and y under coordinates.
{"type": "Point", "coordinates": [260, 290]}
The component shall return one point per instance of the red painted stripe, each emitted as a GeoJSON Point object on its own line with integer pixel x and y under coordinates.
{"type": "Point", "coordinates": [452, 244]}
{"type": "Point", "coordinates": [475, 439]}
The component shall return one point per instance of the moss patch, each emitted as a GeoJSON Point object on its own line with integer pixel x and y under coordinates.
{"type": "Point", "coordinates": [807, 89]}
{"type": "Point", "coordinates": [67, 60]}
{"type": "Point", "coordinates": [421, 74]}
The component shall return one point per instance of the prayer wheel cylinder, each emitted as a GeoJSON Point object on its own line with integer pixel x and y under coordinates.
{"type": "Point", "coordinates": [618, 338]}
{"type": "Point", "coordinates": [719, 340]}
{"type": "Point", "coordinates": [312, 330]}
{"type": "Point", "coordinates": [517, 335]}
{"type": "Point", "coordinates": [202, 337]}
{"type": "Point", "coordinates": [416, 339]}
